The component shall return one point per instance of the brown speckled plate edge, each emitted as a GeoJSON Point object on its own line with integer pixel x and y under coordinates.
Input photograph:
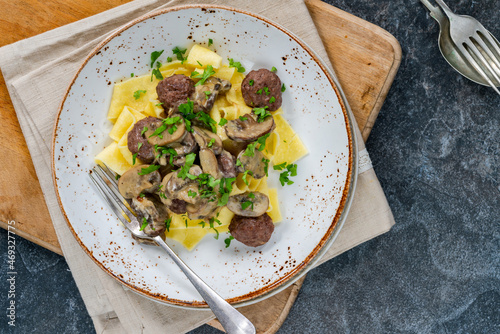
{"type": "Point", "coordinates": [338, 221]}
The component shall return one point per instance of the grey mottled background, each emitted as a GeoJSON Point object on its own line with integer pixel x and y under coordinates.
{"type": "Point", "coordinates": [435, 148]}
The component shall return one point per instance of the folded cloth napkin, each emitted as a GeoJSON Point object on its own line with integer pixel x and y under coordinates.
{"type": "Point", "coordinates": [38, 71]}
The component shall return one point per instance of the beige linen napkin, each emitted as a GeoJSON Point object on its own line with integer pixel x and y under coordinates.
{"type": "Point", "coordinates": [38, 71]}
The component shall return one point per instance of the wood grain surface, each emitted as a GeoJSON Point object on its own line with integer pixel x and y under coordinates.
{"type": "Point", "coordinates": [364, 56]}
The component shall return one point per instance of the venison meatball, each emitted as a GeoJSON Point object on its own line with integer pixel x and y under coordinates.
{"type": "Point", "coordinates": [135, 137]}
{"type": "Point", "coordinates": [174, 90]}
{"type": "Point", "coordinates": [252, 231]}
{"type": "Point", "coordinates": [260, 88]}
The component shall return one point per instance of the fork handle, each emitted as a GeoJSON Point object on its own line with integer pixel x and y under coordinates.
{"type": "Point", "coordinates": [436, 12]}
{"type": "Point", "coordinates": [233, 321]}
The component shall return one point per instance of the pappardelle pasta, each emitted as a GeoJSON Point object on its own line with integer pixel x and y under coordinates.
{"type": "Point", "coordinates": [193, 143]}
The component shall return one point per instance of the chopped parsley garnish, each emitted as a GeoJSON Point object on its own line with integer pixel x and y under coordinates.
{"type": "Point", "coordinates": [227, 241]}
{"type": "Point", "coordinates": [283, 88]}
{"type": "Point", "coordinates": [211, 142]}
{"type": "Point", "coordinates": [251, 195]}
{"type": "Point", "coordinates": [134, 156]}
{"type": "Point", "coordinates": [207, 94]}
{"type": "Point", "coordinates": [272, 99]}
{"type": "Point", "coordinates": [192, 193]}
{"type": "Point", "coordinates": [144, 223]}
{"type": "Point", "coordinates": [208, 72]}
{"type": "Point", "coordinates": [149, 169]}
{"type": "Point", "coordinates": [266, 165]}
{"type": "Point", "coordinates": [236, 64]}
{"type": "Point", "coordinates": [280, 166]}
{"type": "Point", "coordinates": [246, 204]}
{"type": "Point", "coordinates": [179, 53]}
{"type": "Point", "coordinates": [291, 170]}
{"type": "Point", "coordinates": [169, 59]}
{"type": "Point", "coordinates": [187, 111]}
{"type": "Point", "coordinates": [243, 118]}
{"type": "Point", "coordinates": [184, 171]}
{"type": "Point", "coordinates": [210, 41]}
{"type": "Point", "coordinates": [222, 121]}
{"type": "Point", "coordinates": [131, 75]}
{"type": "Point", "coordinates": [267, 91]}
{"type": "Point", "coordinates": [154, 56]}
{"type": "Point", "coordinates": [144, 129]}
{"type": "Point", "coordinates": [167, 223]}
{"type": "Point", "coordinates": [159, 104]}
{"type": "Point", "coordinates": [261, 113]}
{"type": "Point", "coordinates": [238, 163]}
{"type": "Point", "coordinates": [273, 69]}
{"type": "Point", "coordinates": [251, 82]}
{"type": "Point", "coordinates": [163, 150]}
{"type": "Point", "coordinates": [165, 123]}
{"type": "Point", "coordinates": [139, 146]}
{"type": "Point", "coordinates": [259, 92]}
{"type": "Point", "coordinates": [244, 177]}
{"type": "Point", "coordinates": [199, 63]}
{"type": "Point", "coordinates": [117, 177]}
{"type": "Point", "coordinates": [156, 72]}
{"type": "Point", "coordinates": [223, 199]}
{"type": "Point", "coordinates": [249, 151]}
{"type": "Point", "coordinates": [137, 94]}
{"type": "Point", "coordinates": [142, 195]}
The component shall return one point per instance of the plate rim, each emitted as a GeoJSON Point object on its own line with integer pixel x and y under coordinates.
{"type": "Point", "coordinates": [338, 220]}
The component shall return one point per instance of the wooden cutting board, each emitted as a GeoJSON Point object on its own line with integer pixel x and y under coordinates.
{"type": "Point", "coordinates": [364, 56]}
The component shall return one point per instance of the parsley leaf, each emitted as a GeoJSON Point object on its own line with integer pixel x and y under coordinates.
{"type": "Point", "coordinates": [192, 193]}
{"type": "Point", "coordinates": [149, 169]}
{"type": "Point", "coordinates": [283, 88]}
{"type": "Point", "coordinates": [244, 177]}
{"type": "Point", "coordinates": [272, 99]}
{"type": "Point", "coordinates": [183, 172]}
{"type": "Point", "coordinates": [236, 64]}
{"type": "Point", "coordinates": [246, 204]}
{"type": "Point", "coordinates": [222, 121]}
{"type": "Point", "coordinates": [137, 94]}
{"type": "Point", "coordinates": [156, 72]}
{"type": "Point", "coordinates": [179, 53]}
{"type": "Point", "coordinates": [266, 165]}
{"type": "Point", "coordinates": [251, 82]}
{"type": "Point", "coordinates": [154, 56]}
{"type": "Point", "coordinates": [144, 223]}
{"type": "Point", "coordinates": [227, 241]}
{"type": "Point", "coordinates": [144, 129]}
{"type": "Point", "coordinates": [167, 223]}
{"type": "Point", "coordinates": [280, 166]}
{"type": "Point", "coordinates": [210, 41]}
{"type": "Point", "coordinates": [211, 142]}
{"type": "Point", "coordinates": [134, 156]}
{"type": "Point", "coordinates": [273, 69]}
{"type": "Point", "coordinates": [208, 72]}
{"type": "Point", "coordinates": [261, 113]}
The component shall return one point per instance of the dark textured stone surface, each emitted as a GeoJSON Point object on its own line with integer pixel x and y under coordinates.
{"type": "Point", "coordinates": [435, 148]}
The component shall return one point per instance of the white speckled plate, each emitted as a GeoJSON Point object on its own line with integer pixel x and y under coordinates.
{"type": "Point", "coordinates": [313, 207]}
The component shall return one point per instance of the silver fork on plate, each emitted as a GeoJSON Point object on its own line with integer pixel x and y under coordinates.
{"type": "Point", "coordinates": [476, 44]}
{"type": "Point", "coordinates": [232, 320]}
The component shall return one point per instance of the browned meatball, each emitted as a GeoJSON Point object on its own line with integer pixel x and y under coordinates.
{"type": "Point", "coordinates": [136, 136]}
{"type": "Point", "coordinates": [261, 87]}
{"type": "Point", "coordinates": [175, 90]}
{"type": "Point", "coordinates": [252, 231]}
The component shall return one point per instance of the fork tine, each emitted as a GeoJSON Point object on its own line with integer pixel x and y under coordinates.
{"type": "Point", "coordinates": [494, 59]}
{"type": "Point", "coordinates": [116, 199]}
{"type": "Point", "coordinates": [476, 66]}
{"type": "Point", "coordinates": [488, 37]}
{"type": "Point", "coordinates": [110, 203]}
{"type": "Point", "coordinates": [106, 171]}
{"type": "Point", "coordinates": [483, 60]}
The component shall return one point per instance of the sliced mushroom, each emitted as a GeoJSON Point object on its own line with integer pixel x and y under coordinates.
{"type": "Point", "coordinates": [131, 184]}
{"type": "Point", "coordinates": [256, 164]}
{"type": "Point", "coordinates": [208, 162]}
{"type": "Point", "coordinates": [165, 137]}
{"type": "Point", "coordinates": [204, 209]}
{"type": "Point", "coordinates": [234, 147]}
{"type": "Point", "coordinates": [248, 204]}
{"type": "Point", "coordinates": [226, 164]}
{"type": "Point", "coordinates": [206, 138]}
{"type": "Point", "coordinates": [205, 95]}
{"type": "Point", "coordinates": [247, 129]}
{"type": "Point", "coordinates": [186, 146]}
{"type": "Point", "coordinates": [151, 211]}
